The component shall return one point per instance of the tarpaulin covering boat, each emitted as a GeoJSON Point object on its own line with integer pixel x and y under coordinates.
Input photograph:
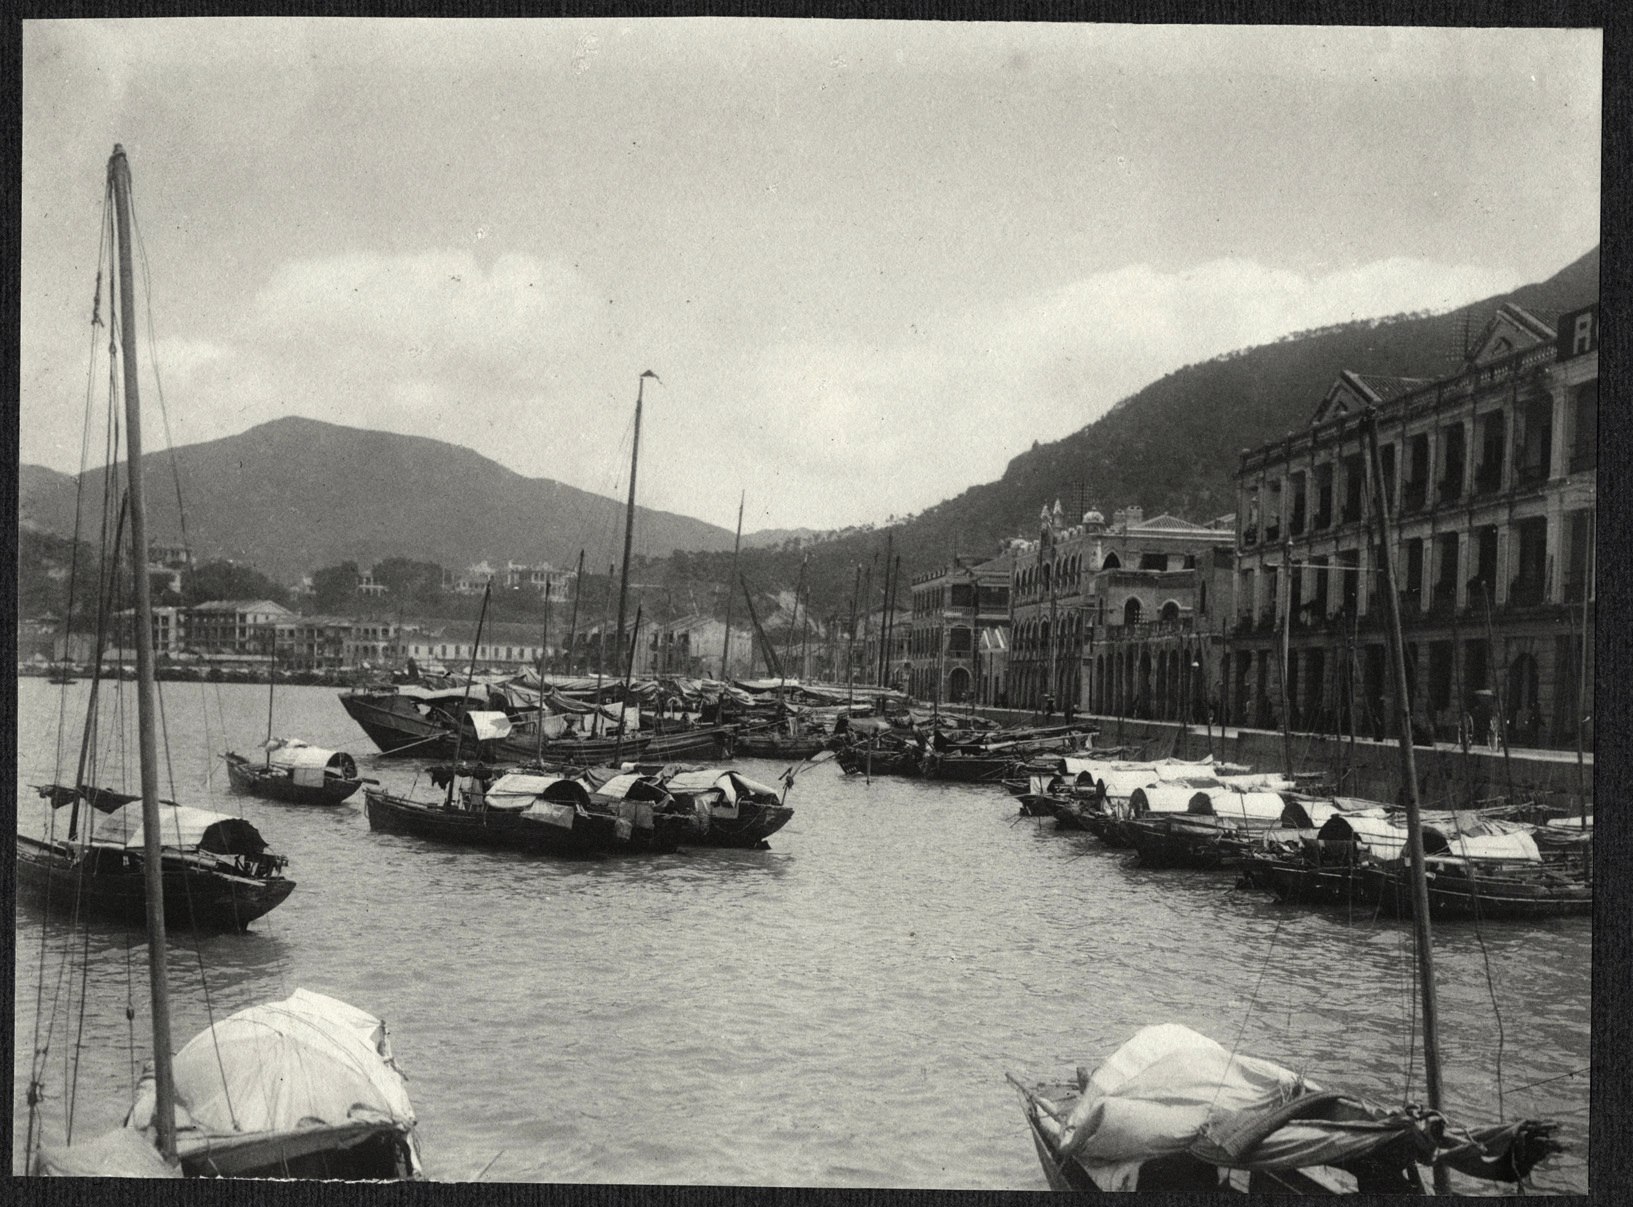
{"type": "Point", "coordinates": [305, 1087]}
{"type": "Point", "coordinates": [183, 827]}
{"type": "Point", "coordinates": [296, 773]}
{"type": "Point", "coordinates": [1172, 1110]}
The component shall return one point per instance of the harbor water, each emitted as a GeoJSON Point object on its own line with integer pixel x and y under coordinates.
{"type": "Point", "coordinates": [837, 1011]}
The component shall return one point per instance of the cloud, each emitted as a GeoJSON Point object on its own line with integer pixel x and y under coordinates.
{"type": "Point", "coordinates": [852, 432]}
{"type": "Point", "coordinates": [430, 312]}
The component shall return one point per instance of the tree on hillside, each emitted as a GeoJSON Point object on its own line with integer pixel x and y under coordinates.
{"type": "Point", "coordinates": [334, 587]}
{"type": "Point", "coordinates": [229, 580]}
{"type": "Point", "coordinates": [409, 581]}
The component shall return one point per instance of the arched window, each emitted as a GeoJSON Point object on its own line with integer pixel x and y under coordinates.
{"type": "Point", "coordinates": [1111, 562]}
{"type": "Point", "coordinates": [1131, 610]}
{"type": "Point", "coordinates": [1170, 610]}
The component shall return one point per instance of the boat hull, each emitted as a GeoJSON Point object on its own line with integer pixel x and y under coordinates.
{"type": "Point", "coordinates": [590, 836]}
{"type": "Point", "coordinates": [1389, 890]}
{"type": "Point", "coordinates": [396, 726]}
{"type": "Point", "coordinates": [754, 824]}
{"type": "Point", "coordinates": [109, 883]}
{"type": "Point", "coordinates": [267, 783]}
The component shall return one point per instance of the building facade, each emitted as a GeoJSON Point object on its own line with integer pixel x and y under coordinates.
{"type": "Point", "coordinates": [1155, 647]}
{"type": "Point", "coordinates": [1075, 579]}
{"type": "Point", "coordinates": [234, 626]}
{"type": "Point", "coordinates": [1489, 477]}
{"type": "Point", "coordinates": [957, 633]}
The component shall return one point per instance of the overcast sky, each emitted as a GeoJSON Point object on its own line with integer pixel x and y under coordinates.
{"type": "Point", "coordinates": [871, 261]}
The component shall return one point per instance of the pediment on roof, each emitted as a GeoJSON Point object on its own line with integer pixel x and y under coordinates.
{"type": "Point", "coordinates": [1349, 395]}
{"type": "Point", "coordinates": [1512, 329]}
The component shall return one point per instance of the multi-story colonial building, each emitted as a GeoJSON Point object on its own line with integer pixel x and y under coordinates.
{"type": "Point", "coordinates": [1489, 475]}
{"type": "Point", "coordinates": [234, 626]}
{"type": "Point", "coordinates": [1076, 577]}
{"type": "Point", "coordinates": [1156, 639]}
{"type": "Point", "coordinates": [957, 632]}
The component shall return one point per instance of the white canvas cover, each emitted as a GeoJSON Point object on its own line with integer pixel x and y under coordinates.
{"type": "Point", "coordinates": [1243, 808]}
{"type": "Point", "coordinates": [1160, 798]}
{"type": "Point", "coordinates": [1263, 781]}
{"type": "Point", "coordinates": [490, 724]}
{"type": "Point", "coordinates": [693, 782]}
{"type": "Point", "coordinates": [179, 825]}
{"type": "Point", "coordinates": [292, 752]}
{"type": "Point", "coordinates": [309, 1059]}
{"type": "Point", "coordinates": [1511, 847]}
{"type": "Point", "coordinates": [619, 785]}
{"type": "Point", "coordinates": [1385, 839]}
{"type": "Point", "coordinates": [118, 1154]}
{"type": "Point", "coordinates": [1158, 1093]}
{"type": "Point", "coordinates": [516, 790]}
{"type": "Point", "coordinates": [1120, 783]}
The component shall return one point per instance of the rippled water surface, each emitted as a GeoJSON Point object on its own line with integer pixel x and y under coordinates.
{"type": "Point", "coordinates": [838, 1011]}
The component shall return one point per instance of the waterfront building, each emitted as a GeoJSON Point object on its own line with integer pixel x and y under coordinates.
{"type": "Point", "coordinates": [957, 632]}
{"type": "Point", "coordinates": [1155, 639]}
{"type": "Point", "coordinates": [233, 626]}
{"type": "Point", "coordinates": [1064, 586]}
{"type": "Point", "coordinates": [506, 646]}
{"type": "Point", "coordinates": [1489, 474]}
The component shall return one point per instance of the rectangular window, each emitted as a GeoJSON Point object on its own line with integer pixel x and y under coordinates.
{"type": "Point", "coordinates": [1323, 496]}
{"type": "Point", "coordinates": [1445, 568]}
{"type": "Point", "coordinates": [1452, 457]}
{"type": "Point", "coordinates": [1351, 562]}
{"type": "Point", "coordinates": [1483, 586]}
{"type": "Point", "coordinates": [1488, 474]}
{"type": "Point", "coordinates": [1153, 561]}
{"type": "Point", "coordinates": [1354, 487]}
{"type": "Point", "coordinates": [1585, 427]}
{"type": "Point", "coordinates": [1414, 574]}
{"type": "Point", "coordinates": [1533, 451]}
{"type": "Point", "coordinates": [1577, 577]}
{"type": "Point", "coordinates": [1296, 524]}
{"type": "Point", "coordinates": [1529, 585]}
{"type": "Point", "coordinates": [1415, 492]}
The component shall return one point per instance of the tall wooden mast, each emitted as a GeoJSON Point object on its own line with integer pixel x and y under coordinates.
{"type": "Point", "coordinates": [736, 548]}
{"type": "Point", "coordinates": [147, 743]}
{"type": "Point", "coordinates": [629, 517]}
{"type": "Point", "coordinates": [1409, 788]}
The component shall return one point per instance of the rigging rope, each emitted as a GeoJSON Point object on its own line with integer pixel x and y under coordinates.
{"type": "Point", "coordinates": [37, 1068]}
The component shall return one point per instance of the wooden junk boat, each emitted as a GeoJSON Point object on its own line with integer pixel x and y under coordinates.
{"type": "Point", "coordinates": [1172, 1110]}
{"type": "Point", "coordinates": [728, 809]}
{"type": "Point", "coordinates": [217, 873]}
{"type": "Point", "coordinates": [541, 811]}
{"type": "Point", "coordinates": [1476, 868]}
{"type": "Point", "coordinates": [296, 773]}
